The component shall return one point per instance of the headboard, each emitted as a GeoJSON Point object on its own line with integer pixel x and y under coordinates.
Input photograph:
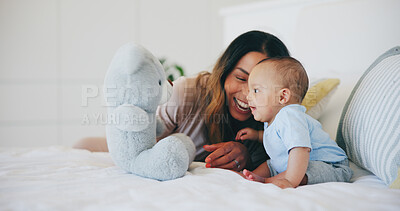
{"type": "Point", "coordinates": [332, 38]}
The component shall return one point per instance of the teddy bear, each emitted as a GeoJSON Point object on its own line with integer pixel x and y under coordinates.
{"type": "Point", "coordinates": [135, 84]}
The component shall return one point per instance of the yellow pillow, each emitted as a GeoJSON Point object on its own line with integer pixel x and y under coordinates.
{"type": "Point", "coordinates": [396, 182]}
{"type": "Point", "coordinates": [318, 96]}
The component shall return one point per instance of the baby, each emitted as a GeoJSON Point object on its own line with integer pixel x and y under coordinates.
{"type": "Point", "coordinates": [300, 151]}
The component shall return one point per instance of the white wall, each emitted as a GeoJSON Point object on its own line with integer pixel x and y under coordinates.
{"type": "Point", "coordinates": [52, 49]}
{"type": "Point", "coordinates": [185, 31]}
{"type": "Point", "coordinates": [49, 49]}
{"type": "Point", "coordinates": [330, 37]}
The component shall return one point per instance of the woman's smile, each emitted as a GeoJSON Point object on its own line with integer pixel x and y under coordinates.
{"type": "Point", "coordinates": [241, 106]}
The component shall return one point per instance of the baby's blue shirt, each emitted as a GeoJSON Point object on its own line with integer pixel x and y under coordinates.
{"type": "Point", "coordinates": [292, 127]}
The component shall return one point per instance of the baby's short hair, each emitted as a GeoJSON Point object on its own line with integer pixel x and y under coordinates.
{"type": "Point", "coordinates": [291, 74]}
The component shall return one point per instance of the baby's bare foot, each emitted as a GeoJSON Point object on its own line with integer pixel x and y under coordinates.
{"type": "Point", "coordinates": [253, 177]}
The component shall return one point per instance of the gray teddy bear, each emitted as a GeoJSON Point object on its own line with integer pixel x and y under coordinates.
{"type": "Point", "coordinates": [135, 84]}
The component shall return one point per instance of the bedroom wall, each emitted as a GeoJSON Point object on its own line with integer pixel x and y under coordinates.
{"type": "Point", "coordinates": [54, 54]}
{"type": "Point", "coordinates": [330, 37]}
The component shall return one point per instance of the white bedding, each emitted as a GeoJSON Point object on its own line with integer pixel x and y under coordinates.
{"type": "Point", "coordinates": [60, 178]}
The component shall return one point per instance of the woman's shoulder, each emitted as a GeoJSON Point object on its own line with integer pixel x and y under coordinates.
{"type": "Point", "coordinates": [183, 87]}
{"type": "Point", "coordinates": [185, 92]}
{"type": "Point", "coordinates": [188, 82]}
{"type": "Point", "coordinates": [188, 87]}
{"type": "Point", "coordinates": [183, 82]}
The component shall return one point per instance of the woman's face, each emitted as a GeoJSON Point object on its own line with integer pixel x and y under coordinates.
{"type": "Point", "coordinates": [236, 89]}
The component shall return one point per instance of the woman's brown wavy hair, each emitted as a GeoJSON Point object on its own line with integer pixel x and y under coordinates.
{"type": "Point", "coordinates": [212, 98]}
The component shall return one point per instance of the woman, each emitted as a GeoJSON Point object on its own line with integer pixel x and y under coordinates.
{"type": "Point", "coordinates": [212, 107]}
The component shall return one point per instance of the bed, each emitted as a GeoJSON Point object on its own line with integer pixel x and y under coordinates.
{"type": "Point", "coordinates": [61, 178]}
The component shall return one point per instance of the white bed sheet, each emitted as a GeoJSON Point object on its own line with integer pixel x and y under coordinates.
{"type": "Point", "coordinates": [61, 178]}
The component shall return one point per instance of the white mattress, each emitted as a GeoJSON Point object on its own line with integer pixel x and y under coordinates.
{"type": "Point", "coordinates": [60, 178]}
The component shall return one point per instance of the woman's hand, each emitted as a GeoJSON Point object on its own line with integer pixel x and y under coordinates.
{"type": "Point", "coordinates": [227, 155]}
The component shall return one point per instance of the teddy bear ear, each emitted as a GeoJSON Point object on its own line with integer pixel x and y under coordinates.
{"type": "Point", "coordinates": [128, 58]}
{"type": "Point", "coordinates": [131, 118]}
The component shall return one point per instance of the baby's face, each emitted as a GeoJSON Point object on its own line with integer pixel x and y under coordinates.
{"type": "Point", "coordinates": [263, 94]}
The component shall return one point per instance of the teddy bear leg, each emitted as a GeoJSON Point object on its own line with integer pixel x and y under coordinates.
{"type": "Point", "coordinates": [189, 145]}
{"type": "Point", "coordinates": [168, 159]}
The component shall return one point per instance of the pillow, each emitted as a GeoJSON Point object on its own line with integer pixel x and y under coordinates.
{"type": "Point", "coordinates": [369, 128]}
{"type": "Point", "coordinates": [318, 96]}
{"type": "Point", "coordinates": [396, 183]}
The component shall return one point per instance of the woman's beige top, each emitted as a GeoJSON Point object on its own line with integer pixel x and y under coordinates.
{"type": "Point", "coordinates": [179, 118]}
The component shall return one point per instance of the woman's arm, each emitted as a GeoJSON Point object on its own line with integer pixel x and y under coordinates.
{"type": "Point", "coordinates": [93, 144]}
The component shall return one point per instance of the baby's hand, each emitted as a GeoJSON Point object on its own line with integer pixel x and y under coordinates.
{"type": "Point", "coordinates": [253, 177]}
{"type": "Point", "coordinates": [248, 134]}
